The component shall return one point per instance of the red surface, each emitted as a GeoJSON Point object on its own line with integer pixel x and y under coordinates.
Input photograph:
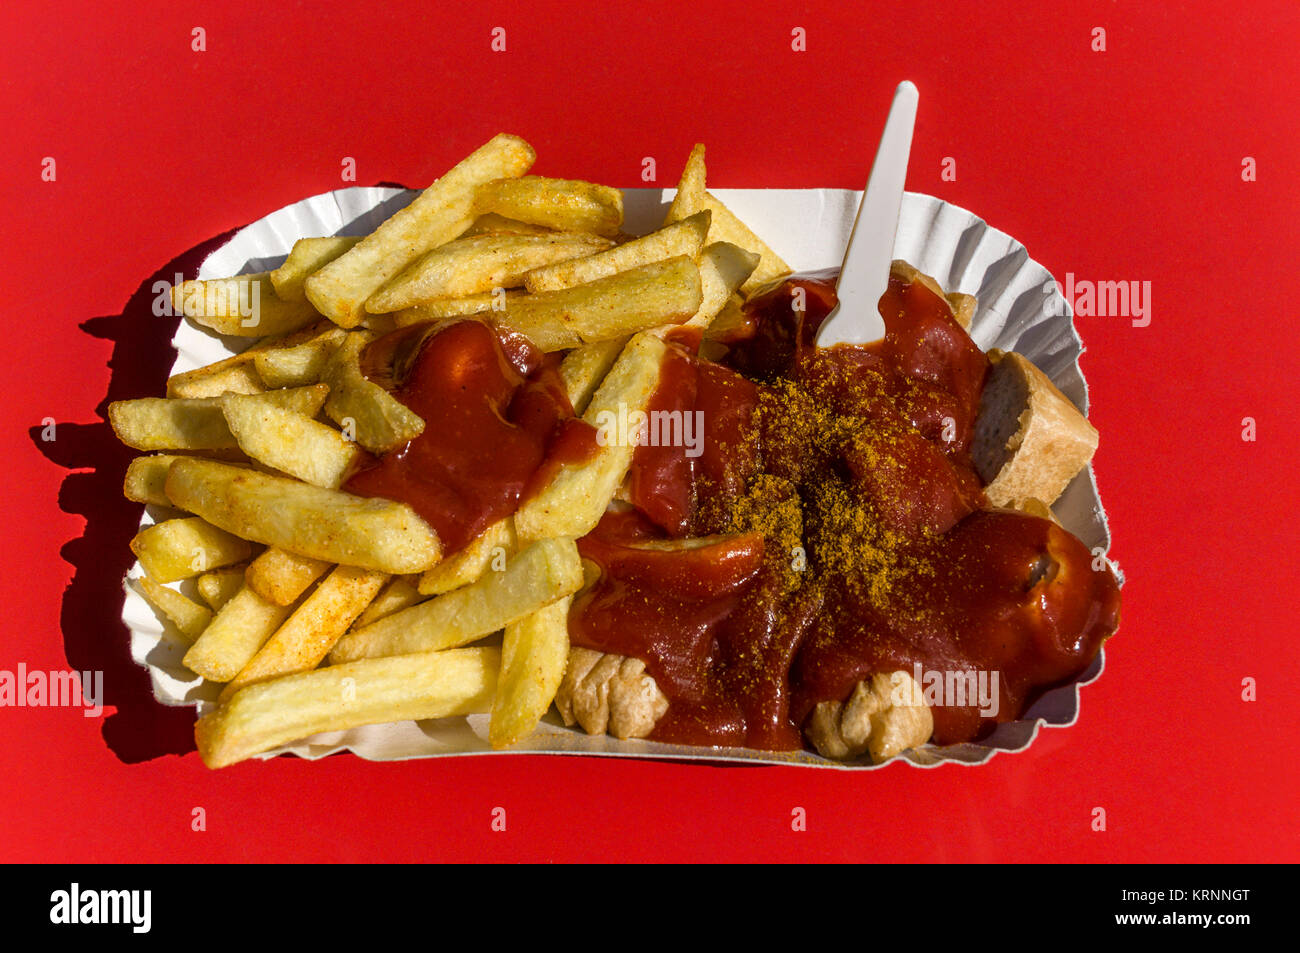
{"type": "Point", "coordinates": [1124, 164]}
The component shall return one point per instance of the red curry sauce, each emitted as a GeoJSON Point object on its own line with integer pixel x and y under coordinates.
{"type": "Point", "coordinates": [495, 409]}
{"type": "Point", "coordinates": [829, 526]}
{"type": "Point", "coordinates": [880, 551]}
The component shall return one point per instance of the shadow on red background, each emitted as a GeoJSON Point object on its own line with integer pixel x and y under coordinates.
{"type": "Point", "coordinates": [95, 637]}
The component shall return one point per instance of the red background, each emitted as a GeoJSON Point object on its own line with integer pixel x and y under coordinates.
{"type": "Point", "coordinates": [1116, 165]}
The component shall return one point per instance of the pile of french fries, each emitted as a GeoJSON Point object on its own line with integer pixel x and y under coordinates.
{"type": "Point", "coordinates": [317, 610]}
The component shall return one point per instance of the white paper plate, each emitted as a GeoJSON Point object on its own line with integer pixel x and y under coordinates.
{"type": "Point", "coordinates": [1019, 309]}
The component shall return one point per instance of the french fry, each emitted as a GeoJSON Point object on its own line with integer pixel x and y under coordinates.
{"type": "Point", "coordinates": [480, 263]}
{"type": "Point", "coordinates": [462, 568]}
{"type": "Point", "coordinates": [585, 367]}
{"type": "Point", "coordinates": [724, 268]}
{"type": "Point", "coordinates": [377, 420]}
{"type": "Point", "coordinates": [493, 224]}
{"type": "Point", "coordinates": [194, 423]}
{"type": "Point", "coordinates": [145, 478]}
{"type": "Point", "coordinates": [306, 400]}
{"type": "Point", "coordinates": [547, 571]}
{"type": "Point", "coordinates": [730, 319]}
{"type": "Point", "coordinates": [576, 497]}
{"type": "Point", "coordinates": [309, 520]}
{"type": "Point", "coordinates": [290, 442]}
{"type": "Point", "coordinates": [241, 373]}
{"type": "Point", "coordinates": [692, 198]}
{"type": "Point", "coordinates": [567, 205]}
{"type": "Point", "coordinates": [679, 238]}
{"type": "Point", "coordinates": [301, 363]}
{"type": "Point", "coordinates": [412, 687]}
{"type": "Point", "coordinates": [280, 576]}
{"type": "Point", "coordinates": [689, 199]}
{"type": "Point", "coordinates": [308, 256]}
{"type": "Point", "coordinates": [307, 636]}
{"type": "Point", "coordinates": [188, 616]}
{"type": "Point", "coordinates": [663, 292]}
{"type": "Point", "coordinates": [160, 423]}
{"type": "Point", "coordinates": [238, 630]}
{"type": "Point", "coordinates": [440, 213]}
{"type": "Point", "coordinates": [727, 227]}
{"type": "Point", "coordinates": [181, 548]}
{"type": "Point", "coordinates": [219, 586]}
{"type": "Point", "coordinates": [399, 594]}
{"type": "Point", "coordinates": [244, 306]}
{"type": "Point", "coordinates": [491, 301]}
{"type": "Point", "coordinates": [533, 656]}
{"type": "Point", "coordinates": [234, 375]}
{"type": "Point", "coordinates": [660, 293]}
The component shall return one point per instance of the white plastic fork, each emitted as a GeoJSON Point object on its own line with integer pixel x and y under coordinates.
{"type": "Point", "coordinates": [864, 275]}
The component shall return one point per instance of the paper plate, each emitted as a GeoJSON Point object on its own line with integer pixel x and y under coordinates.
{"type": "Point", "coordinates": [1019, 309]}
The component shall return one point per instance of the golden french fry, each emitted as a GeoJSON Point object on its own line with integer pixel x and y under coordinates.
{"type": "Point", "coordinates": [412, 687]}
{"type": "Point", "coordinates": [576, 497]}
{"type": "Point", "coordinates": [462, 568]}
{"type": "Point", "coordinates": [493, 224]}
{"type": "Point", "coordinates": [309, 520]}
{"type": "Point", "coordinates": [290, 442]}
{"type": "Point", "coordinates": [478, 264]}
{"type": "Point", "coordinates": [306, 400]}
{"type": "Point", "coordinates": [234, 375]}
{"type": "Point", "coordinates": [241, 373]}
{"type": "Point", "coordinates": [729, 320]}
{"type": "Point", "coordinates": [244, 306]}
{"type": "Point", "coordinates": [280, 576]}
{"type": "Point", "coordinates": [295, 364]}
{"type": "Point", "coordinates": [160, 423]}
{"type": "Point", "coordinates": [399, 594]}
{"type": "Point", "coordinates": [188, 616]}
{"type": "Point", "coordinates": [307, 636]}
{"type": "Point", "coordinates": [547, 571]}
{"type": "Point", "coordinates": [373, 417]}
{"type": "Point", "coordinates": [146, 477]}
{"type": "Point", "coordinates": [689, 199]}
{"type": "Point", "coordinates": [195, 423]}
{"type": "Point", "coordinates": [180, 548]}
{"type": "Point", "coordinates": [567, 205]}
{"type": "Point", "coordinates": [219, 586]}
{"type": "Point", "coordinates": [660, 293]}
{"type": "Point", "coordinates": [663, 292]}
{"type": "Point", "coordinates": [308, 256]}
{"type": "Point", "coordinates": [439, 214]}
{"type": "Point", "coordinates": [238, 630]}
{"type": "Point", "coordinates": [679, 238]}
{"type": "Point", "coordinates": [492, 301]}
{"type": "Point", "coordinates": [727, 227]}
{"type": "Point", "coordinates": [692, 198]}
{"type": "Point", "coordinates": [585, 367]}
{"type": "Point", "coordinates": [724, 268]}
{"type": "Point", "coordinates": [533, 656]}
